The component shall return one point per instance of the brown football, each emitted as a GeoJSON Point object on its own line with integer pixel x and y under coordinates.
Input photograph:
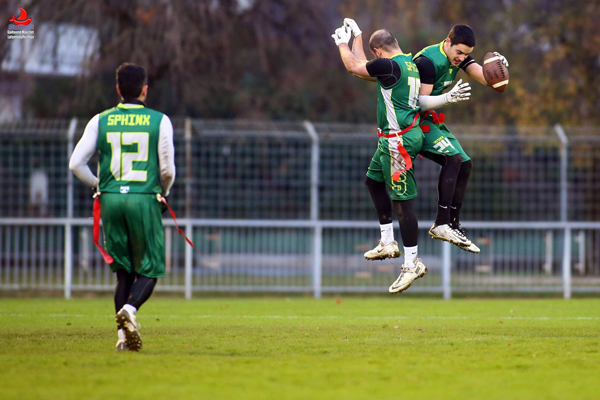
{"type": "Point", "coordinates": [495, 72]}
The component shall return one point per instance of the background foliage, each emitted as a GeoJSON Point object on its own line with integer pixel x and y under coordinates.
{"type": "Point", "coordinates": [275, 59]}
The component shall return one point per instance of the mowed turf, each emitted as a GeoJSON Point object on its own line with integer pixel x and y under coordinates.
{"type": "Point", "coordinates": [301, 348]}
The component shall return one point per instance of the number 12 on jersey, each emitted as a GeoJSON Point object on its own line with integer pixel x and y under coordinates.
{"type": "Point", "coordinates": [121, 162]}
{"type": "Point", "coordinates": [415, 91]}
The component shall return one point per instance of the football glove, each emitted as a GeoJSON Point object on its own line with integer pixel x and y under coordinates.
{"type": "Point", "coordinates": [342, 35]}
{"type": "Point", "coordinates": [350, 23]}
{"type": "Point", "coordinates": [460, 92]}
{"type": "Point", "coordinates": [502, 58]}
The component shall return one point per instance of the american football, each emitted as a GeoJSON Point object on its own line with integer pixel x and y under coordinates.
{"type": "Point", "coordinates": [495, 72]}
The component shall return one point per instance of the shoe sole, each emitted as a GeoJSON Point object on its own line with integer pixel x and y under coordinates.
{"type": "Point", "coordinates": [454, 242]}
{"type": "Point", "coordinates": [121, 347]}
{"type": "Point", "coordinates": [133, 341]}
{"type": "Point", "coordinates": [466, 248]}
{"type": "Point", "coordinates": [385, 257]}
{"type": "Point", "coordinates": [402, 290]}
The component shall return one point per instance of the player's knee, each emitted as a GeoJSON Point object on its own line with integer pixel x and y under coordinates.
{"type": "Point", "coordinates": [466, 166]}
{"type": "Point", "coordinates": [371, 183]}
{"type": "Point", "coordinates": [455, 159]}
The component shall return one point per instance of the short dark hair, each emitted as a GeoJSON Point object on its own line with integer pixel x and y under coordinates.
{"type": "Point", "coordinates": [382, 39]}
{"type": "Point", "coordinates": [131, 79]}
{"type": "Point", "coordinates": [462, 34]}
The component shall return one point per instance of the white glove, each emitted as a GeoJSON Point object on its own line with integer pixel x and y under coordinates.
{"type": "Point", "coordinates": [350, 23]}
{"type": "Point", "coordinates": [460, 92]}
{"type": "Point", "coordinates": [342, 35]}
{"type": "Point", "coordinates": [502, 58]}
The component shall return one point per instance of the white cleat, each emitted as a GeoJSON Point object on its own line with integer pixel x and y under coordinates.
{"type": "Point", "coordinates": [448, 234]}
{"type": "Point", "coordinates": [381, 252]}
{"type": "Point", "coordinates": [408, 276]}
{"type": "Point", "coordinates": [472, 247]}
{"type": "Point", "coordinates": [128, 323]}
{"type": "Point", "coordinates": [121, 346]}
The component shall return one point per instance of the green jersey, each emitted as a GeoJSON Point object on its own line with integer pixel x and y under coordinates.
{"type": "Point", "coordinates": [445, 72]}
{"type": "Point", "coordinates": [398, 103]}
{"type": "Point", "coordinates": [128, 147]}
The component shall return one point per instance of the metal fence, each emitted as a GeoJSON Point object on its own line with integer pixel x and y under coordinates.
{"type": "Point", "coordinates": [281, 206]}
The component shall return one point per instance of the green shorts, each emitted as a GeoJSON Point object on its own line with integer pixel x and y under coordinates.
{"type": "Point", "coordinates": [439, 140]}
{"type": "Point", "coordinates": [387, 160]}
{"type": "Point", "coordinates": [133, 233]}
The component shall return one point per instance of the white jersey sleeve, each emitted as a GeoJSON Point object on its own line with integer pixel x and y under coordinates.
{"type": "Point", "coordinates": [166, 155]}
{"type": "Point", "coordinates": [84, 150]}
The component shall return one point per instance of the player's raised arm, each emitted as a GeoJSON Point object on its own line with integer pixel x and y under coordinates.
{"type": "Point", "coordinates": [475, 71]}
{"type": "Point", "coordinates": [357, 45]}
{"type": "Point", "coordinates": [353, 65]}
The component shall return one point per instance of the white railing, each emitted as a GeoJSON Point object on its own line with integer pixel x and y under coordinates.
{"type": "Point", "coordinates": [305, 254]}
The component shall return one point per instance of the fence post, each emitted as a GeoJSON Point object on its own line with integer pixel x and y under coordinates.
{"type": "Point", "coordinates": [317, 259]}
{"type": "Point", "coordinates": [564, 192]}
{"type": "Point", "coordinates": [189, 255]}
{"type": "Point", "coordinates": [188, 166]}
{"type": "Point", "coordinates": [446, 263]}
{"type": "Point", "coordinates": [68, 258]}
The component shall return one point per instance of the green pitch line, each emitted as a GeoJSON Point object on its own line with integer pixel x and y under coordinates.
{"type": "Point", "coordinates": [298, 348]}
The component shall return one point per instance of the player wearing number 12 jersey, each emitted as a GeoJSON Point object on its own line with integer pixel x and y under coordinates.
{"type": "Point", "coordinates": [136, 166]}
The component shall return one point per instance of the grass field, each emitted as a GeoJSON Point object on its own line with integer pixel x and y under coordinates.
{"type": "Point", "coordinates": [300, 348]}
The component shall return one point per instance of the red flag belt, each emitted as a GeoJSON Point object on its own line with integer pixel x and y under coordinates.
{"type": "Point", "coordinates": [96, 229]}
{"type": "Point", "coordinates": [164, 201]}
{"type": "Point", "coordinates": [401, 149]}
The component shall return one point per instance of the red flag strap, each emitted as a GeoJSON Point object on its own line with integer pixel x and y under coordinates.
{"type": "Point", "coordinates": [164, 201]}
{"type": "Point", "coordinates": [96, 230]}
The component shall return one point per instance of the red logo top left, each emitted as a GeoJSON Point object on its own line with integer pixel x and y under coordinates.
{"type": "Point", "coordinates": [22, 20]}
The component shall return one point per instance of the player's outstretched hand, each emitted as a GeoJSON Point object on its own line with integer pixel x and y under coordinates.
{"type": "Point", "coordinates": [502, 58]}
{"type": "Point", "coordinates": [350, 23]}
{"type": "Point", "coordinates": [342, 35]}
{"type": "Point", "coordinates": [460, 92]}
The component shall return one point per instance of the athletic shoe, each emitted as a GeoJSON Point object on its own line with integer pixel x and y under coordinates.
{"type": "Point", "coordinates": [408, 276]}
{"type": "Point", "coordinates": [121, 346]}
{"type": "Point", "coordinates": [448, 234]}
{"type": "Point", "coordinates": [472, 247]}
{"type": "Point", "coordinates": [128, 323]}
{"type": "Point", "coordinates": [381, 252]}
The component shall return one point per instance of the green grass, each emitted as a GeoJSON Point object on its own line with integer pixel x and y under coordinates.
{"type": "Point", "coordinates": [300, 348]}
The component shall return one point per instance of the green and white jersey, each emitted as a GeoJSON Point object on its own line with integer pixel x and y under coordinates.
{"type": "Point", "coordinates": [398, 87]}
{"type": "Point", "coordinates": [445, 72]}
{"type": "Point", "coordinates": [127, 143]}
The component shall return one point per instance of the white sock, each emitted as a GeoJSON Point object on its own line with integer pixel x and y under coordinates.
{"type": "Point", "coordinates": [130, 309]}
{"type": "Point", "coordinates": [121, 335]}
{"type": "Point", "coordinates": [387, 233]}
{"type": "Point", "coordinates": [410, 256]}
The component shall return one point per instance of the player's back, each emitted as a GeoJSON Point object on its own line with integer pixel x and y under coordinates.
{"type": "Point", "coordinates": [398, 103]}
{"type": "Point", "coordinates": [128, 147]}
{"type": "Point", "coordinates": [444, 71]}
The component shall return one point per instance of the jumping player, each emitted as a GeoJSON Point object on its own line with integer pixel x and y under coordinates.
{"type": "Point", "coordinates": [400, 140]}
{"type": "Point", "coordinates": [438, 66]}
{"type": "Point", "coordinates": [136, 166]}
